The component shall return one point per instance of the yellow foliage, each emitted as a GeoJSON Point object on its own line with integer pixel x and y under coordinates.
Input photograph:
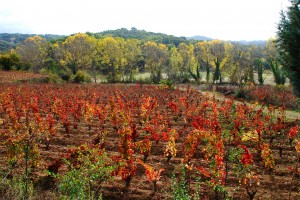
{"type": "Point", "coordinates": [250, 136]}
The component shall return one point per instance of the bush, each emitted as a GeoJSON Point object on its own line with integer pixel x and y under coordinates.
{"type": "Point", "coordinates": [179, 188]}
{"type": "Point", "coordinates": [9, 61]}
{"type": "Point", "coordinates": [278, 96]}
{"type": "Point", "coordinates": [113, 78]}
{"type": "Point", "coordinates": [50, 77]}
{"type": "Point", "coordinates": [167, 84]}
{"type": "Point", "coordinates": [81, 77]}
{"type": "Point", "coordinates": [185, 80]}
{"type": "Point", "coordinates": [84, 181]}
{"type": "Point", "coordinates": [240, 93]}
{"type": "Point", "coordinates": [65, 76]}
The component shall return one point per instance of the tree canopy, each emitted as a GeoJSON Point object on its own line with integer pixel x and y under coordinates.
{"type": "Point", "coordinates": [289, 43]}
{"type": "Point", "coordinates": [120, 56]}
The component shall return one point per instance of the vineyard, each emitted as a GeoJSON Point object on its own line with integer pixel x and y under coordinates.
{"type": "Point", "coordinates": [142, 142]}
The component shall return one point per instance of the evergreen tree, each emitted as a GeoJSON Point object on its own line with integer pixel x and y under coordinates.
{"type": "Point", "coordinates": [289, 43]}
{"type": "Point", "coordinates": [217, 74]}
{"type": "Point", "coordinates": [279, 76]}
{"type": "Point", "coordinates": [260, 70]}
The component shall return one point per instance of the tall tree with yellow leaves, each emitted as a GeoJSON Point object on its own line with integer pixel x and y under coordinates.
{"type": "Point", "coordinates": [203, 57]}
{"type": "Point", "coordinates": [189, 62]}
{"type": "Point", "coordinates": [112, 57]}
{"type": "Point", "coordinates": [219, 58]}
{"type": "Point", "coordinates": [175, 64]}
{"type": "Point", "coordinates": [156, 57]}
{"type": "Point", "coordinates": [33, 52]}
{"type": "Point", "coordinates": [78, 50]}
{"type": "Point", "coordinates": [132, 54]}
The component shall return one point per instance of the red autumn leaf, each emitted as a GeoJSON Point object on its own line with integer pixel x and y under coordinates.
{"type": "Point", "coordinates": [293, 132]}
{"type": "Point", "coordinates": [204, 171]}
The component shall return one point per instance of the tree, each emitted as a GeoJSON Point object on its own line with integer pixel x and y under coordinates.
{"type": "Point", "coordinates": [279, 76]}
{"type": "Point", "coordinates": [219, 57]}
{"type": "Point", "coordinates": [156, 57]}
{"type": "Point", "coordinates": [289, 43]}
{"type": "Point", "coordinates": [202, 54]}
{"type": "Point", "coordinates": [78, 52]}
{"type": "Point", "coordinates": [33, 52]}
{"type": "Point", "coordinates": [61, 67]}
{"type": "Point", "coordinates": [9, 60]}
{"type": "Point", "coordinates": [259, 64]}
{"type": "Point", "coordinates": [240, 67]}
{"type": "Point", "coordinates": [175, 63]}
{"type": "Point", "coordinates": [188, 61]}
{"type": "Point", "coordinates": [133, 53]}
{"type": "Point", "coordinates": [273, 58]}
{"type": "Point", "coordinates": [112, 58]}
{"type": "Point", "coordinates": [255, 53]}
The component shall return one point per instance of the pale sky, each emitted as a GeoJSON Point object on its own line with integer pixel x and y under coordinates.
{"type": "Point", "coordinates": [218, 19]}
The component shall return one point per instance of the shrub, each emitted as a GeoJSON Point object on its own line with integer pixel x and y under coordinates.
{"type": "Point", "coordinates": [277, 96]}
{"type": "Point", "coordinates": [113, 77]}
{"type": "Point", "coordinates": [179, 188]}
{"type": "Point", "coordinates": [50, 77]}
{"type": "Point", "coordinates": [240, 93]}
{"type": "Point", "coordinates": [65, 76]}
{"type": "Point", "coordinates": [167, 83]}
{"type": "Point", "coordinates": [81, 180]}
{"type": "Point", "coordinates": [81, 77]}
{"type": "Point", "coordinates": [9, 61]}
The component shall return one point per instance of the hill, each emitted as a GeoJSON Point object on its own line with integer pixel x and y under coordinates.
{"type": "Point", "coordinates": [245, 42]}
{"type": "Point", "coordinates": [251, 42]}
{"type": "Point", "coordinates": [11, 40]}
{"type": "Point", "coordinates": [142, 35]}
{"type": "Point", "coordinates": [199, 37]}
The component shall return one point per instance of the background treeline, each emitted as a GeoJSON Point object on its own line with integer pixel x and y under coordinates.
{"type": "Point", "coordinates": [139, 56]}
{"type": "Point", "coordinates": [141, 35]}
{"type": "Point", "coordinates": [11, 40]}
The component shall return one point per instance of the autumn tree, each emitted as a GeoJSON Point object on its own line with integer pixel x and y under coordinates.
{"type": "Point", "coordinates": [133, 56]}
{"type": "Point", "coordinates": [239, 60]}
{"type": "Point", "coordinates": [156, 57]}
{"type": "Point", "coordinates": [202, 55]}
{"type": "Point", "coordinates": [10, 60]}
{"type": "Point", "coordinates": [33, 52]}
{"type": "Point", "coordinates": [58, 59]}
{"type": "Point", "coordinates": [289, 43]}
{"type": "Point", "coordinates": [78, 52]}
{"type": "Point", "coordinates": [175, 64]}
{"type": "Point", "coordinates": [189, 64]}
{"type": "Point", "coordinates": [252, 52]}
{"type": "Point", "coordinates": [219, 58]}
{"type": "Point", "coordinates": [112, 57]}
